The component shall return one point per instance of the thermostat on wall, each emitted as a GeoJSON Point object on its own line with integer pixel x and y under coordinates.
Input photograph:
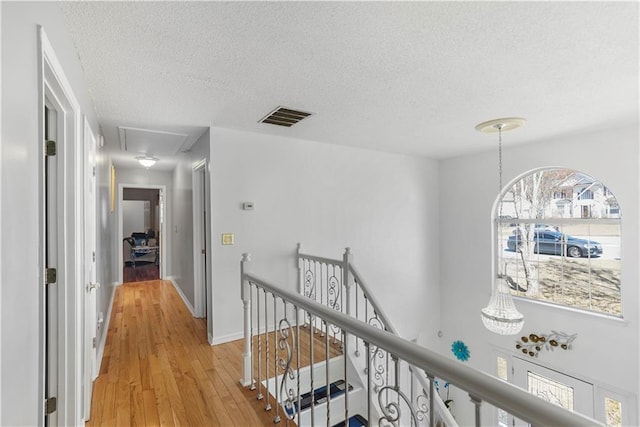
{"type": "Point", "coordinates": [247, 206]}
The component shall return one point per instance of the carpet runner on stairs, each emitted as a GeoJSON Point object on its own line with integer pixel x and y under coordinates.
{"type": "Point", "coordinates": [355, 421]}
{"type": "Point", "coordinates": [320, 396]}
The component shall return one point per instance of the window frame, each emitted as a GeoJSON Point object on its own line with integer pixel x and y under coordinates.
{"type": "Point", "coordinates": [500, 220]}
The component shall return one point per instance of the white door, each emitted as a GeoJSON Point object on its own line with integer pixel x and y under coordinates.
{"type": "Point", "coordinates": [90, 297]}
{"type": "Point", "coordinates": [555, 387]}
{"type": "Point", "coordinates": [200, 240]}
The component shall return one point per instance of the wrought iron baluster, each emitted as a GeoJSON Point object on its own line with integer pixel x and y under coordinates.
{"type": "Point", "coordinates": [343, 307]}
{"type": "Point", "coordinates": [259, 397]}
{"type": "Point", "coordinates": [276, 419]}
{"type": "Point", "coordinates": [298, 362]}
{"type": "Point", "coordinates": [432, 391]}
{"type": "Point", "coordinates": [333, 298]}
{"type": "Point", "coordinates": [287, 395]}
{"type": "Point", "coordinates": [420, 399]}
{"type": "Point", "coordinates": [310, 279]}
{"type": "Point", "coordinates": [343, 290]}
{"type": "Point", "coordinates": [367, 348]}
{"type": "Point", "coordinates": [392, 411]}
{"type": "Point", "coordinates": [387, 372]}
{"type": "Point", "coordinates": [326, 366]}
{"type": "Point", "coordinates": [357, 307]}
{"type": "Point", "coordinates": [396, 373]}
{"type": "Point", "coordinates": [323, 282]}
{"type": "Point", "coordinates": [253, 381]}
{"type": "Point", "coordinates": [267, 406]}
{"type": "Point", "coordinates": [412, 384]}
{"type": "Point", "coordinates": [476, 402]}
{"type": "Point", "coordinates": [313, 404]}
{"type": "Point", "coordinates": [345, 352]}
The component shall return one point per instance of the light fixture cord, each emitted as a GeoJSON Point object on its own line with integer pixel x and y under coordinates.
{"type": "Point", "coordinates": [499, 224]}
{"type": "Point", "coordinates": [500, 162]}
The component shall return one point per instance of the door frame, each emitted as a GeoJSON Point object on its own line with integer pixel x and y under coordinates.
{"type": "Point", "coordinates": [584, 390]}
{"type": "Point", "coordinates": [53, 85]}
{"type": "Point", "coordinates": [89, 286]}
{"type": "Point", "coordinates": [163, 226]}
{"type": "Point", "coordinates": [199, 239]}
{"type": "Point", "coordinates": [203, 293]}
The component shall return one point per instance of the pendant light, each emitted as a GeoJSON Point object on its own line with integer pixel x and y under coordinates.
{"type": "Point", "coordinates": [501, 315]}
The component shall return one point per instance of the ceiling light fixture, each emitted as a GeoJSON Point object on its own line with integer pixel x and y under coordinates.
{"type": "Point", "coordinates": [501, 315]}
{"type": "Point", "coordinates": [147, 161]}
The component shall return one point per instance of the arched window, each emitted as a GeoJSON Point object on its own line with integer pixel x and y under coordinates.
{"type": "Point", "coordinates": [558, 240]}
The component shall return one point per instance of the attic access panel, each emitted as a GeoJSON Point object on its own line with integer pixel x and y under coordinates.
{"type": "Point", "coordinates": [148, 141]}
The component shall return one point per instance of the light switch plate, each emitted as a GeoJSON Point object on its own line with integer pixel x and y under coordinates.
{"type": "Point", "coordinates": [227, 238]}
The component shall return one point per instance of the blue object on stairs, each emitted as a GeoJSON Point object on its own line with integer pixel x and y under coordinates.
{"type": "Point", "coordinates": [355, 421]}
{"type": "Point", "coordinates": [319, 396]}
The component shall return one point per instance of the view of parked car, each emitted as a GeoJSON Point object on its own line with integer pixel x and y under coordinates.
{"type": "Point", "coordinates": [556, 243]}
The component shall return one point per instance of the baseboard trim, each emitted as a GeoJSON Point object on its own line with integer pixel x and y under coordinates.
{"type": "Point", "coordinates": [239, 335]}
{"type": "Point", "coordinates": [182, 295]}
{"type": "Point", "coordinates": [105, 330]}
{"type": "Point", "coordinates": [227, 338]}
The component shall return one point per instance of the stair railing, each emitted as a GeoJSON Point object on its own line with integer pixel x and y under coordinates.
{"type": "Point", "coordinates": [317, 282]}
{"type": "Point", "coordinates": [396, 408]}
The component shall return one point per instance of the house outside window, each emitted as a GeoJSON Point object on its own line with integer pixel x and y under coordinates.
{"type": "Point", "coordinates": [586, 195]}
{"type": "Point", "coordinates": [561, 250]}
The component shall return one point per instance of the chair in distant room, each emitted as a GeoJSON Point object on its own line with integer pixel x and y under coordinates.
{"type": "Point", "coordinates": [140, 250]}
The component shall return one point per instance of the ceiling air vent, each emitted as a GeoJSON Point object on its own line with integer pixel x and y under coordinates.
{"type": "Point", "coordinates": [284, 117]}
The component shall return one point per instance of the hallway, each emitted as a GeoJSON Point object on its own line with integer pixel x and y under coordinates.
{"type": "Point", "coordinates": [159, 369]}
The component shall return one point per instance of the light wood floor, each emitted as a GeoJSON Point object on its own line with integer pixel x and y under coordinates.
{"type": "Point", "coordinates": [159, 369]}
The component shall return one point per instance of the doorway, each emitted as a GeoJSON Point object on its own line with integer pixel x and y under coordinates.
{"type": "Point", "coordinates": [90, 370]}
{"type": "Point", "coordinates": [141, 234]}
{"type": "Point", "coordinates": [141, 213]}
{"type": "Point", "coordinates": [560, 389]}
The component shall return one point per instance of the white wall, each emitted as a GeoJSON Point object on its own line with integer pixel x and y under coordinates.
{"type": "Point", "coordinates": [107, 235]}
{"type": "Point", "coordinates": [182, 213]}
{"type": "Point", "coordinates": [21, 355]}
{"type": "Point", "coordinates": [606, 351]}
{"type": "Point", "coordinates": [384, 206]}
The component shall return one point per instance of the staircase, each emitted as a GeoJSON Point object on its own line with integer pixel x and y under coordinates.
{"type": "Point", "coordinates": [337, 326]}
{"type": "Point", "coordinates": [318, 408]}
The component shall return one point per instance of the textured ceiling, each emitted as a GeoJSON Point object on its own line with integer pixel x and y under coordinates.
{"type": "Point", "coordinates": [411, 78]}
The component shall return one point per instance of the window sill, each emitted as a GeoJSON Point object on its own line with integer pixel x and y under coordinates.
{"type": "Point", "coordinates": [616, 319]}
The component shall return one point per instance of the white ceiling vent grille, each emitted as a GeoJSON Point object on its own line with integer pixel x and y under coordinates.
{"type": "Point", "coordinates": [284, 117]}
